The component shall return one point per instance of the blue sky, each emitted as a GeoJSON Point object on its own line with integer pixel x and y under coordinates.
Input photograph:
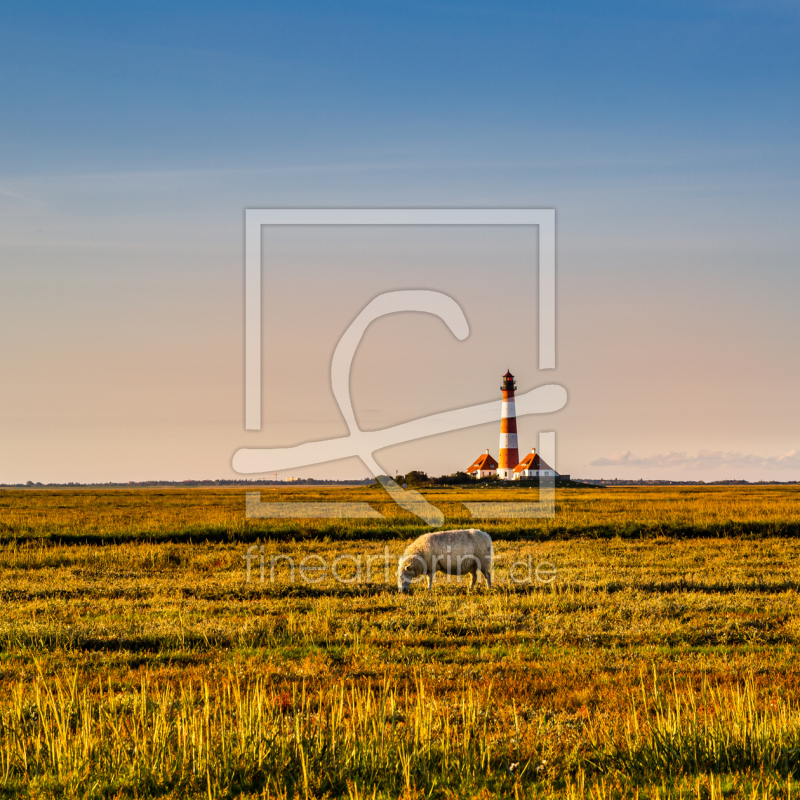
{"type": "Point", "coordinates": [133, 136]}
{"type": "Point", "coordinates": [116, 87]}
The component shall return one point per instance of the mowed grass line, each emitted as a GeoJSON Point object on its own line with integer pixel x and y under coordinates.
{"type": "Point", "coordinates": [97, 516]}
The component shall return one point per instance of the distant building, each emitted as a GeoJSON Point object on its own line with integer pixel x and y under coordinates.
{"type": "Point", "coordinates": [483, 467]}
{"type": "Point", "coordinates": [532, 466]}
{"type": "Point", "coordinates": [510, 467]}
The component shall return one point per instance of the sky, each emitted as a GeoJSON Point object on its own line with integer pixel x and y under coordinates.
{"type": "Point", "coordinates": [134, 136]}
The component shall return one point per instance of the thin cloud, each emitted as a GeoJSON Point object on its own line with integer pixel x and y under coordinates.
{"type": "Point", "coordinates": [704, 459]}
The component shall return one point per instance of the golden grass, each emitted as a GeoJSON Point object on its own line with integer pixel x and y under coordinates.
{"type": "Point", "coordinates": [218, 514]}
{"type": "Point", "coordinates": [351, 741]}
{"type": "Point", "coordinates": [141, 663]}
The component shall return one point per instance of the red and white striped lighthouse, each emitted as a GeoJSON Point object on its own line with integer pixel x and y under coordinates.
{"type": "Point", "coordinates": [509, 452]}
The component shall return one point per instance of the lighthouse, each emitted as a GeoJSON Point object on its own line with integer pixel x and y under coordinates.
{"type": "Point", "coordinates": [509, 452]}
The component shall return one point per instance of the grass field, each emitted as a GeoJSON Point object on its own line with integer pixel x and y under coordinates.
{"type": "Point", "coordinates": [658, 657]}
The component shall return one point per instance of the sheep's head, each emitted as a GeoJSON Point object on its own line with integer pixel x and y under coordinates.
{"type": "Point", "coordinates": [407, 570]}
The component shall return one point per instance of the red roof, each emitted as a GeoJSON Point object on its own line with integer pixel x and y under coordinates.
{"type": "Point", "coordinates": [532, 462]}
{"type": "Point", "coordinates": [484, 462]}
{"type": "Point", "coordinates": [508, 374]}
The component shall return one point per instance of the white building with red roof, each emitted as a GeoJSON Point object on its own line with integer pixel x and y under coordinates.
{"type": "Point", "coordinates": [532, 466]}
{"type": "Point", "coordinates": [483, 467]}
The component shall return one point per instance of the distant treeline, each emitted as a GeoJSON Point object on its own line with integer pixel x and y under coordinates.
{"type": "Point", "coordinates": [414, 478]}
{"type": "Point", "coordinates": [184, 484]}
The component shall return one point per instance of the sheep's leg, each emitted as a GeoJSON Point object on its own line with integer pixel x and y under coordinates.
{"type": "Point", "coordinates": [430, 579]}
{"type": "Point", "coordinates": [488, 575]}
{"type": "Point", "coordinates": [474, 578]}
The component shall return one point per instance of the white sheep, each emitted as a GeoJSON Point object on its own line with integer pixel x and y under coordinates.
{"type": "Point", "coordinates": [463, 552]}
